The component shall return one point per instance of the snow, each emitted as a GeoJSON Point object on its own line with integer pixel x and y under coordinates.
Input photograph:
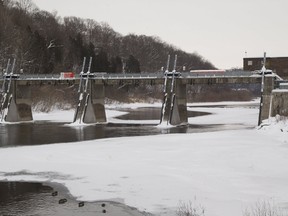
{"type": "Point", "coordinates": [226, 116]}
{"type": "Point", "coordinates": [226, 171]}
{"type": "Point", "coordinates": [280, 90]}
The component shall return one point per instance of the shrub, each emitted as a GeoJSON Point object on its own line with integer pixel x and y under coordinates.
{"type": "Point", "coordinates": [263, 208]}
{"type": "Point", "coordinates": [190, 209]}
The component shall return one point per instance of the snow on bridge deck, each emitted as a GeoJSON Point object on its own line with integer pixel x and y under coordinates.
{"type": "Point", "coordinates": [137, 78]}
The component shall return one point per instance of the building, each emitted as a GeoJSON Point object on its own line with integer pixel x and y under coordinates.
{"type": "Point", "coordinates": [279, 65]}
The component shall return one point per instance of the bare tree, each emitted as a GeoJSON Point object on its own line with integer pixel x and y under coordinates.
{"type": "Point", "coordinates": [26, 5]}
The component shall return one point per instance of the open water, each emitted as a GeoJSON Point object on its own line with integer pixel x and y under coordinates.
{"type": "Point", "coordinates": [46, 132]}
{"type": "Point", "coordinates": [50, 199]}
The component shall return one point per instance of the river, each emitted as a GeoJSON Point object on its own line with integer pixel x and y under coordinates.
{"type": "Point", "coordinates": [33, 198]}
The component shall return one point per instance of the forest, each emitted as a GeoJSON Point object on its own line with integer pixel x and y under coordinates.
{"type": "Point", "coordinates": [44, 43]}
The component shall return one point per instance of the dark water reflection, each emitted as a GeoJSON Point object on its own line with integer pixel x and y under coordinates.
{"type": "Point", "coordinates": [47, 199]}
{"type": "Point", "coordinates": [148, 113]}
{"type": "Point", "coordinates": [45, 132]}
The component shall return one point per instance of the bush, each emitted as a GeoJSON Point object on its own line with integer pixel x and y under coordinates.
{"type": "Point", "coordinates": [190, 209]}
{"type": "Point", "coordinates": [263, 208]}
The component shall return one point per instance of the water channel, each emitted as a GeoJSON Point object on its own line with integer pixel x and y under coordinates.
{"type": "Point", "coordinates": [46, 132]}
{"type": "Point", "coordinates": [28, 198]}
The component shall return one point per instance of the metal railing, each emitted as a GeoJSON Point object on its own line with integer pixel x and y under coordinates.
{"type": "Point", "coordinates": [144, 75]}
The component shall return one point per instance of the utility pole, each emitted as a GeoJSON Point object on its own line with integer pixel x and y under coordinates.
{"type": "Point", "coordinates": [263, 69]}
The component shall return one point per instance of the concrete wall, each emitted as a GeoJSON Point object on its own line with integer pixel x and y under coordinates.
{"type": "Point", "coordinates": [266, 98]}
{"type": "Point", "coordinates": [279, 103]}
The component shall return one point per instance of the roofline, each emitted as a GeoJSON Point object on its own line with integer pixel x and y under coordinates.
{"type": "Point", "coordinates": [266, 57]}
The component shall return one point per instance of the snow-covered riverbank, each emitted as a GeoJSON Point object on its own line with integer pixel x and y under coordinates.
{"type": "Point", "coordinates": [226, 171]}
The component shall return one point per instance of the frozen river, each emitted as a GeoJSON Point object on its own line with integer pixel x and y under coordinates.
{"type": "Point", "coordinates": [32, 198]}
{"type": "Point", "coordinates": [221, 158]}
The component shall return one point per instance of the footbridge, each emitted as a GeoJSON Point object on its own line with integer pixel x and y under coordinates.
{"type": "Point", "coordinates": [15, 100]}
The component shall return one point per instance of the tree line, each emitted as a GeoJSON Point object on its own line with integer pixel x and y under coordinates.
{"type": "Point", "coordinates": [44, 42]}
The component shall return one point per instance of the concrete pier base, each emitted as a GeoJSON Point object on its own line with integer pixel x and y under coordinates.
{"type": "Point", "coordinates": [18, 103]}
{"type": "Point", "coordinates": [95, 112]}
{"type": "Point", "coordinates": [174, 110]}
{"type": "Point", "coordinates": [91, 108]}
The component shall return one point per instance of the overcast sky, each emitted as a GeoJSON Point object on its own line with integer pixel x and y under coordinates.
{"type": "Point", "coordinates": [222, 31]}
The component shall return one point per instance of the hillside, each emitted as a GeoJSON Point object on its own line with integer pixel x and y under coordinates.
{"type": "Point", "coordinates": [43, 42]}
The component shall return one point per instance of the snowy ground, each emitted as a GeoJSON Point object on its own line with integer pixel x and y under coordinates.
{"type": "Point", "coordinates": [226, 171]}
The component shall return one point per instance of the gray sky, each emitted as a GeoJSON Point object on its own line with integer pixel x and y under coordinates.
{"type": "Point", "coordinates": [222, 31]}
